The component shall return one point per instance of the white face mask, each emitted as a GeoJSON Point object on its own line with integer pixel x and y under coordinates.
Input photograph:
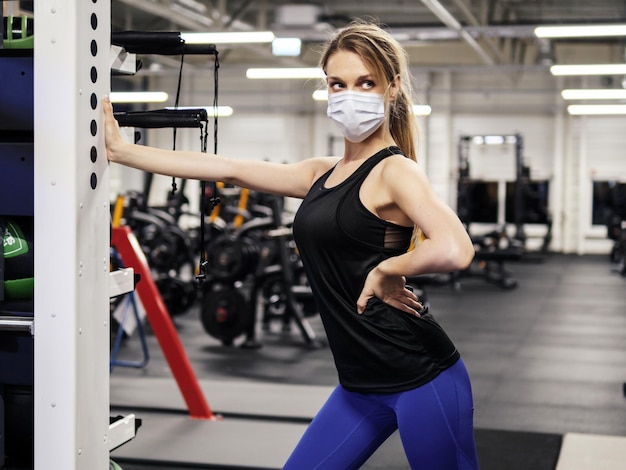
{"type": "Point", "coordinates": [357, 114]}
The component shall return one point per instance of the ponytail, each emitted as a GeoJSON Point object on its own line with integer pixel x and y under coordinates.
{"type": "Point", "coordinates": [402, 124]}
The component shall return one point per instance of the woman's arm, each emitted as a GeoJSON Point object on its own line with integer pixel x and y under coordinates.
{"type": "Point", "coordinates": [447, 246]}
{"type": "Point", "coordinates": [293, 179]}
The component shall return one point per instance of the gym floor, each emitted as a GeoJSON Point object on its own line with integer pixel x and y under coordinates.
{"type": "Point", "coordinates": [547, 361]}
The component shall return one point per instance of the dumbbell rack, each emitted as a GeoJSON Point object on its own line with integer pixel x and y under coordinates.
{"type": "Point", "coordinates": [59, 86]}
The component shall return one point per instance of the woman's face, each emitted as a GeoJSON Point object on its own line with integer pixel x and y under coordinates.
{"type": "Point", "coordinates": [345, 70]}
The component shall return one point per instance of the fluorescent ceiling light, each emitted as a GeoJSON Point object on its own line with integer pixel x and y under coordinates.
{"type": "Point", "coordinates": [222, 111]}
{"type": "Point", "coordinates": [288, 47]}
{"type": "Point", "coordinates": [579, 31]}
{"type": "Point", "coordinates": [234, 37]}
{"type": "Point", "coordinates": [138, 96]}
{"type": "Point", "coordinates": [422, 110]}
{"type": "Point", "coordinates": [589, 69]}
{"type": "Point", "coordinates": [320, 95]}
{"type": "Point", "coordinates": [594, 94]}
{"type": "Point", "coordinates": [418, 109]}
{"type": "Point", "coordinates": [494, 139]}
{"type": "Point", "coordinates": [596, 109]}
{"type": "Point", "coordinates": [277, 73]}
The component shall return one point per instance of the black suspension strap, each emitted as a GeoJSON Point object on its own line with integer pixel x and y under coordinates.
{"type": "Point", "coordinates": [214, 200]}
{"type": "Point", "coordinates": [178, 86]}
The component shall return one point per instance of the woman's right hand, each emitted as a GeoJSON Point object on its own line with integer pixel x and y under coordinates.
{"type": "Point", "coordinates": [112, 134]}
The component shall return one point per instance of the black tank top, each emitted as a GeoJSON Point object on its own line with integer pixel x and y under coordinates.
{"type": "Point", "coordinates": [383, 350]}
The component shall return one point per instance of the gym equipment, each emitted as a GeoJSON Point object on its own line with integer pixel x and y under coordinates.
{"type": "Point", "coordinates": [609, 209]}
{"type": "Point", "coordinates": [123, 239]}
{"type": "Point", "coordinates": [254, 268]}
{"type": "Point", "coordinates": [127, 246]}
{"type": "Point", "coordinates": [226, 313]}
{"type": "Point", "coordinates": [126, 302]}
{"type": "Point", "coordinates": [617, 256]}
{"type": "Point", "coordinates": [169, 249]}
{"type": "Point", "coordinates": [230, 258]}
{"type": "Point", "coordinates": [17, 32]}
{"type": "Point", "coordinates": [171, 43]}
{"type": "Point", "coordinates": [492, 251]}
{"type": "Point", "coordinates": [17, 241]}
{"type": "Point", "coordinates": [159, 42]}
{"type": "Point", "coordinates": [502, 184]}
{"type": "Point", "coordinates": [497, 192]}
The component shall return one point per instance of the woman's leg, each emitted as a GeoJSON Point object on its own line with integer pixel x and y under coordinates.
{"type": "Point", "coordinates": [436, 423]}
{"type": "Point", "coordinates": [344, 433]}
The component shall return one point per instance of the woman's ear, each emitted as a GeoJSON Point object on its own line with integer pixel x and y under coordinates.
{"type": "Point", "coordinates": [394, 88]}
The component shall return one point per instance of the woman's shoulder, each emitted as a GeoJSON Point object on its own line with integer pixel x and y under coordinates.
{"type": "Point", "coordinates": [320, 165]}
{"type": "Point", "coordinates": [398, 162]}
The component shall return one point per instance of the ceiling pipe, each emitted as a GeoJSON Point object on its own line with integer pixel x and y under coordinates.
{"type": "Point", "coordinates": [450, 21]}
{"type": "Point", "coordinates": [473, 21]}
{"type": "Point", "coordinates": [164, 10]}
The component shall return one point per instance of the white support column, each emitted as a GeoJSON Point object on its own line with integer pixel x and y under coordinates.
{"type": "Point", "coordinates": [72, 218]}
{"type": "Point", "coordinates": [583, 190]}
{"type": "Point", "coordinates": [558, 171]}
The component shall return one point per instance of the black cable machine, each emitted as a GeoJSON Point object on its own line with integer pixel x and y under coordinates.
{"type": "Point", "coordinates": [480, 200]}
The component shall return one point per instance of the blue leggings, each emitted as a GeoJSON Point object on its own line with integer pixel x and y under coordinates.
{"type": "Point", "coordinates": [435, 422]}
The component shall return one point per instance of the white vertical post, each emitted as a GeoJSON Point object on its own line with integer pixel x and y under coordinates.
{"type": "Point", "coordinates": [71, 388]}
{"type": "Point", "coordinates": [583, 189]}
{"type": "Point", "coordinates": [556, 183]}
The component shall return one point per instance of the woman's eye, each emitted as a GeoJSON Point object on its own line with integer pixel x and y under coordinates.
{"type": "Point", "coordinates": [368, 85]}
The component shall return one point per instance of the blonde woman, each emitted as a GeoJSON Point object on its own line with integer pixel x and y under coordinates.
{"type": "Point", "coordinates": [358, 218]}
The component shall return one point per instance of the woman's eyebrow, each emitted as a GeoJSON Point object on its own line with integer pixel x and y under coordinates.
{"type": "Point", "coordinates": [369, 76]}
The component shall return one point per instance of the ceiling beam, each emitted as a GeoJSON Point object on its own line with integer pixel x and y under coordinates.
{"type": "Point", "coordinates": [451, 22]}
{"type": "Point", "coordinates": [473, 21]}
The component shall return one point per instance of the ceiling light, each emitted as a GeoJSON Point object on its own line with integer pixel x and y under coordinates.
{"type": "Point", "coordinates": [589, 69]}
{"type": "Point", "coordinates": [579, 31]}
{"type": "Point", "coordinates": [422, 110]}
{"type": "Point", "coordinates": [418, 109]}
{"type": "Point", "coordinates": [494, 139]}
{"type": "Point", "coordinates": [277, 73]}
{"type": "Point", "coordinates": [287, 47]}
{"type": "Point", "coordinates": [234, 37]}
{"type": "Point", "coordinates": [320, 95]}
{"type": "Point", "coordinates": [138, 96]}
{"type": "Point", "coordinates": [594, 94]}
{"type": "Point", "coordinates": [222, 111]}
{"type": "Point", "coordinates": [596, 109]}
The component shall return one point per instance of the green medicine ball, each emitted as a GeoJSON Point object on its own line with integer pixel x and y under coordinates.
{"type": "Point", "coordinates": [19, 262]}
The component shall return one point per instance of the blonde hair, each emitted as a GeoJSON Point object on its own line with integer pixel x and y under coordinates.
{"type": "Point", "coordinates": [387, 59]}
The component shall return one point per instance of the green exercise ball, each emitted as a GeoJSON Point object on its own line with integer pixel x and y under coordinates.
{"type": "Point", "coordinates": [19, 261]}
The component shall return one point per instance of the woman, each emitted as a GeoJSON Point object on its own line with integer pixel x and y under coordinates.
{"type": "Point", "coordinates": [356, 232]}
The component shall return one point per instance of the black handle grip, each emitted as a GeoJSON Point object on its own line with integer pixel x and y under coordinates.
{"type": "Point", "coordinates": [159, 42]}
{"type": "Point", "coordinates": [162, 118]}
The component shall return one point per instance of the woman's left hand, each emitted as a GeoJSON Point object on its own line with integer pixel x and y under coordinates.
{"type": "Point", "coordinates": [390, 289]}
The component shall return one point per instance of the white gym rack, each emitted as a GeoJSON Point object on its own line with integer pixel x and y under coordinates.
{"type": "Point", "coordinates": [72, 224]}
